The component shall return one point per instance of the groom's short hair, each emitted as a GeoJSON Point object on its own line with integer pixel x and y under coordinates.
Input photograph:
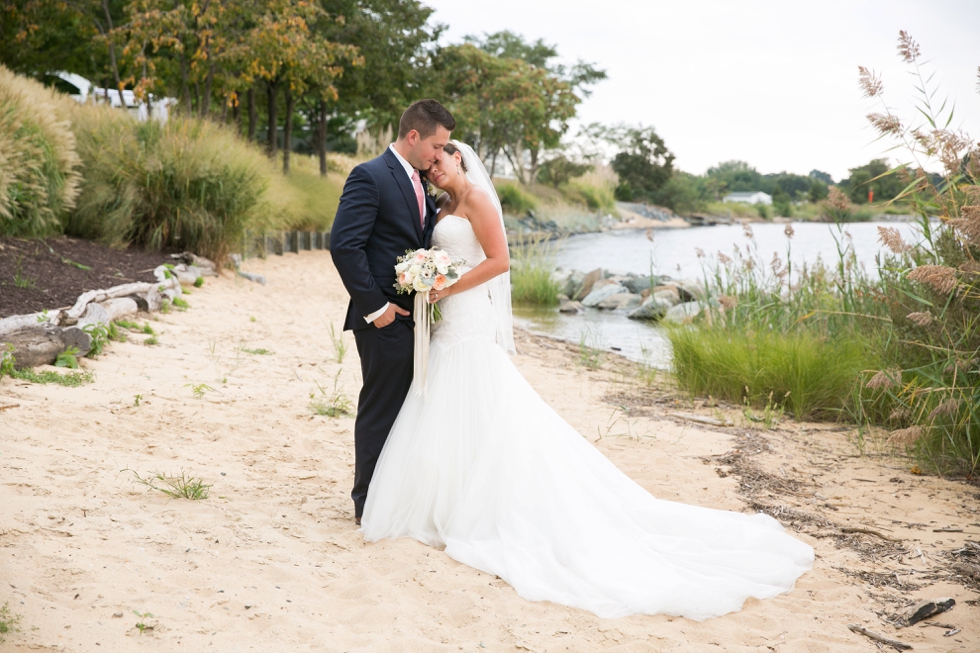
{"type": "Point", "coordinates": [424, 116]}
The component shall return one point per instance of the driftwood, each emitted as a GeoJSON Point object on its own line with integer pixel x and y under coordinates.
{"type": "Point", "coordinates": [927, 609]}
{"type": "Point", "coordinates": [700, 419]}
{"type": "Point", "coordinates": [41, 344]}
{"type": "Point", "coordinates": [861, 630]}
{"type": "Point", "coordinates": [18, 322]}
{"type": "Point", "coordinates": [867, 531]}
{"type": "Point", "coordinates": [140, 288]}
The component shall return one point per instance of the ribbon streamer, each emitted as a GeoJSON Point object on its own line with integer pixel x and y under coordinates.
{"type": "Point", "coordinates": [423, 328]}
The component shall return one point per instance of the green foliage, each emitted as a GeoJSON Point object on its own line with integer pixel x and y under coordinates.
{"type": "Point", "coordinates": [560, 170]}
{"type": "Point", "coordinates": [514, 199]}
{"type": "Point", "coordinates": [7, 361]}
{"type": "Point", "coordinates": [531, 271]}
{"type": "Point", "coordinates": [68, 358]}
{"type": "Point", "coordinates": [335, 404]}
{"type": "Point", "coordinates": [187, 183]}
{"type": "Point", "coordinates": [814, 375]}
{"type": "Point", "coordinates": [181, 303]}
{"type": "Point", "coordinates": [100, 335]}
{"type": "Point", "coordinates": [175, 487]}
{"type": "Point", "coordinates": [141, 625]}
{"type": "Point", "coordinates": [198, 282]}
{"type": "Point", "coordinates": [874, 177]}
{"type": "Point", "coordinates": [591, 349]}
{"type": "Point", "coordinates": [305, 200]}
{"type": "Point", "coordinates": [38, 163]}
{"type": "Point", "coordinates": [339, 344]}
{"type": "Point", "coordinates": [9, 622]}
{"type": "Point", "coordinates": [199, 389]}
{"type": "Point", "coordinates": [644, 164]}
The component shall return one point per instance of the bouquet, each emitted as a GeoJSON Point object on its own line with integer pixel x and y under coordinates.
{"type": "Point", "coordinates": [423, 270]}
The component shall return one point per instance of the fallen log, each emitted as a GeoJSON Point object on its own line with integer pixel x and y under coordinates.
{"type": "Point", "coordinates": [18, 322]}
{"type": "Point", "coordinates": [86, 298]}
{"type": "Point", "coordinates": [41, 344]}
{"type": "Point", "coordinates": [861, 630]}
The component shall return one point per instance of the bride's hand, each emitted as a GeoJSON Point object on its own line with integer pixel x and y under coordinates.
{"type": "Point", "coordinates": [436, 295]}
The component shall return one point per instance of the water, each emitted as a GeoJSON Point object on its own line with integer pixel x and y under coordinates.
{"type": "Point", "coordinates": [672, 252]}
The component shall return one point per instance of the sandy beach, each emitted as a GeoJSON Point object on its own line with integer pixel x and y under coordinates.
{"type": "Point", "coordinates": [272, 560]}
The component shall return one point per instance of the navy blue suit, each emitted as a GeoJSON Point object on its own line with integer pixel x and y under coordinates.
{"type": "Point", "coordinates": [377, 220]}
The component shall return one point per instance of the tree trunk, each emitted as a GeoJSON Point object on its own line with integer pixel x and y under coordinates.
{"type": "Point", "coordinates": [253, 117]}
{"type": "Point", "coordinates": [236, 114]}
{"type": "Point", "coordinates": [112, 51]}
{"type": "Point", "coordinates": [197, 96]}
{"type": "Point", "coordinates": [287, 134]}
{"type": "Point", "coordinates": [272, 142]}
{"type": "Point", "coordinates": [185, 89]}
{"type": "Point", "coordinates": [321, 137]}
{"type": "Point", "coordinates": [208, 84]}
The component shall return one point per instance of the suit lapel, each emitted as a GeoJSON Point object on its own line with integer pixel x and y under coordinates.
{"type": "Point", "coordinates": [405, 184]}
{"type": "Point", "coordinates": [430, 215]}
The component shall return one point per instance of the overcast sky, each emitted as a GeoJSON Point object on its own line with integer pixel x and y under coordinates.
{"type": "Point", "coordinates": [773, 83]}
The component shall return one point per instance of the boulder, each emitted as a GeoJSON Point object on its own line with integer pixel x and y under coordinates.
{"type": "Point", "coordinates": [570, 307]}
{"type": "Point", "coordinates": [639, 284]}
{"type": "Point", "coordinates": [620, 301]}
{"type": "Point", "coordinates": [683, 313]}
{"type": "Point", "coordinates": [689, 290]}
{"type": "Point", "coordinates": [587, 282]}
{"type": "Point", "coordinates": [669, 294]}
{"type": "Point", "coordinates": [650, 309]}
{"type": "Point", "coordinates": [601, 293]}
{"type": "Point", "coordinates": [569, 281]}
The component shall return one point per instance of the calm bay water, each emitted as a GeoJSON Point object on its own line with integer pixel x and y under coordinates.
{"type": "Point", "coordinates": [672, 252]}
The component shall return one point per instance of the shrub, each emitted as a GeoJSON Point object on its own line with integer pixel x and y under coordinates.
{"type": "Point", "coordinates": [304, 200]}
{"type": "Point", "coordinates": [513, 199]}
{"type": "Point", "coordinates": [189, 183]}
{"type": "Point", "coordinates": [38, 163]}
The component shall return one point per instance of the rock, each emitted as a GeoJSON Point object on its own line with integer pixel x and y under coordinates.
{"type": "Point", "coordinates": [568, 281]}
{"type": "Point", "coordinates": [601, 293]}
{"type": "Point", "coordinates": [927, 609]}
{"type": "Point", "coordinates": [670, 295]}
{"type": "Point", "coordinates": [645, 293]}
{"type": "Point", "coordinates": [587, 282]}
{"type": "Point", "coordinates": [569, 306]}
{"type": "Point", "coordinates": [689, 290]}
{"type": "Point", "coordinates": [650, 309]}
{"type": "Point", "coordinates": [639, 284]}
{"type": "Point", "coordinates": [683, 313]}
{"type": "Point", "coordinates": [620, 301]}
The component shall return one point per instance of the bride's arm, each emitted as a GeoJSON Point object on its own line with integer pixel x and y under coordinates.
{"type": "Point", "coordinates": [490, 232]}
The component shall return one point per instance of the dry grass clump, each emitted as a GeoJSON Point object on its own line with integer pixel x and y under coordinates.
{"type": "Point", "coordinates": [38, 164]}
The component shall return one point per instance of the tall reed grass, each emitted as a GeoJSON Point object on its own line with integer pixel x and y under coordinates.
{"type": "Point", "coordinates": [190, 184]}
{"type": "Point", "coordinates": [38, 164]}
{"type": "Point", "coordinates": [531, 271]}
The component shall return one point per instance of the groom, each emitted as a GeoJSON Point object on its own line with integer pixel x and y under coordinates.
{"type": "Point", "coordinates": [384, 210]}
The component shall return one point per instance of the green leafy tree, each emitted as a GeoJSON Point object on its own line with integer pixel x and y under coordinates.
{"type": "Point", "coordinates": [560, 170]}
{"type": "Point", "coordinates": [644, 164]}
{"type": "Point", "coordinates": [872, 176]}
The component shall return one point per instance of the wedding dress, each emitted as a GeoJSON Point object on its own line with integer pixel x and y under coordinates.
{"type": "Point", "coordinates": [480, 465]}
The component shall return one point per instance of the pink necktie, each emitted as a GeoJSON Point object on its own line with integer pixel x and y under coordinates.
{"type": "Point", "coordinates": [419, 195]}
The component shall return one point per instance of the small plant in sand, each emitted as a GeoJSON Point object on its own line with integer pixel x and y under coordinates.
{"type": "Point", "coordinates": [336, 404]}
{"type": "Point", "coordinates": [136, 400]}
{"type": "Point", "coordinates": [770, 416]}
{"type": "Point", "coordinates": [175, 487]}
{"type": "Point", "coordinates": [198, 282]}
{"type": "Point", "coordinates": [199, 389]}
{"type": "Point", "coordinates": [8, 367]}
{"type": "Point", "coordinates": [100, 338]}
{"type": "Point", "coordinates": [152, 340]}
{"type": "Point", "coordinates": [620, 418]}
{"type": "Point", "coordinates": [141, 624]}
{"type": "Point", "coordinates": [591, 350]}
{"type": "Point", "coordinates": [258, 352]}
{"type": "Point", "coordinates": [181, 303]}
{"type": "Point", "coordinates": [165, 306]}
{"type": "Point", "coordinates": [68, 358]}
{"type": "Point", "coordinates": [339, 345]}
{"type": "Point", "coordinates": [9, 622]}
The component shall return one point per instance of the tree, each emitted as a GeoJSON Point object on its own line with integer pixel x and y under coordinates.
{"type": "Point", "coordinates": [822, 176]}
{"type": "Point", "coordinates": [560, 170]}
{"type": "Point", "coordinates": [871, 177]}
{"type": "Point", "coordinates": [737, 176]}
{"type": "Point", "coordinates": [644, 164]}
{"type": "Point", "coordinates": [508, 100]}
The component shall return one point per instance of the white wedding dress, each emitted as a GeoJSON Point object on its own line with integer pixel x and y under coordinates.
{"type": "Point", "coordinates": [482, 466]}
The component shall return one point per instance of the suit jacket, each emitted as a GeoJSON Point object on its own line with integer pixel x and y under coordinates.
{"type": "Point", "coordinates": [377, 220]}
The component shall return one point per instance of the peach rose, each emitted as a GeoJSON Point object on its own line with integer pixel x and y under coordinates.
{"type": "Point", "coordinates": [440, 282]}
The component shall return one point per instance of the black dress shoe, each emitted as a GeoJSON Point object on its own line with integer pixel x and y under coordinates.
{"type": "Point", "coordinates": [357, 520]}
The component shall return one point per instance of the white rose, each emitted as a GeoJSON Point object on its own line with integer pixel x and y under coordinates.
{"type": "Point", "coordinates": [420, 284]}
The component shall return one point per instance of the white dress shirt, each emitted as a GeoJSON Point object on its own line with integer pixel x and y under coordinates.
{"type": "Point", "coordinates": [408, 171]}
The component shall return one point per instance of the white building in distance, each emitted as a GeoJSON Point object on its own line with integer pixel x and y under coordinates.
{"type": "Point", "coordinates": [757, 197]}
{"type": "Point", "coordinates": [82, 90]}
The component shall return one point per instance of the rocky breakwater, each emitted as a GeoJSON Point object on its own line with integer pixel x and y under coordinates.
{"type": "Point", "coordinates": [652, 298]}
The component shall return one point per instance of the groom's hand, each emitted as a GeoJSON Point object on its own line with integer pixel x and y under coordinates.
{"type": "Point", "coordinates": [388, 316]}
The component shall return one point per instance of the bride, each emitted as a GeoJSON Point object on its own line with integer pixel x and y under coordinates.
{"type": "Point", "coordinates": [480, 465]}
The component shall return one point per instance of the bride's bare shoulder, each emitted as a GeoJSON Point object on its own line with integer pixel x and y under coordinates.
{"type": "Point", "coordinates": [478, 203]}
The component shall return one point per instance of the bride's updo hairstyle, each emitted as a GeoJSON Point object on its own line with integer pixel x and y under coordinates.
{"type": "Point", "coordinates": [451, 149]}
